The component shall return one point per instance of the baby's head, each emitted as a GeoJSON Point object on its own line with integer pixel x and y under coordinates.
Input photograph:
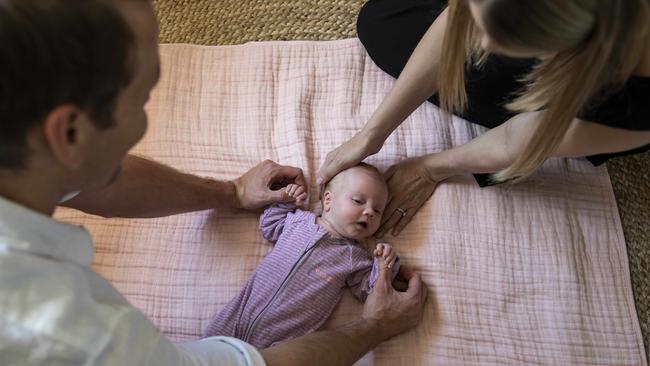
{"type": "Point", "coordinates": [354, 201]}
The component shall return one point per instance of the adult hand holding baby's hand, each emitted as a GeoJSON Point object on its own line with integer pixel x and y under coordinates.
{"type": "Point", "coordinates": [254, 189]}
{"type": "Point", "coordinates": [393, 312]}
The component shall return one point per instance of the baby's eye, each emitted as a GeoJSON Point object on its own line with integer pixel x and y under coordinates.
{"type": "Point", "coordinates": [357, 201]}
{"type": "Point", "coordinates": [378, 212]}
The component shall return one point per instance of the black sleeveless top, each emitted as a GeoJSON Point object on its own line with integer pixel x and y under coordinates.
{"type": "Point", "coordinates": [491, 87]}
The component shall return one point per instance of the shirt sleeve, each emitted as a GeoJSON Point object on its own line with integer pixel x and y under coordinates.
{"type": "Point", "coordinates": [364, 273]}
{"type": "Point", "coordinates": [222, 351]}
{"type": "Point", "coordinates": [273, 219]}
{"type": "Point", "coordinates": [134, 340]}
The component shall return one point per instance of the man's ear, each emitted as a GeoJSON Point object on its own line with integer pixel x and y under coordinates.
{"type": "Point", "coordinates": [327, 201]}
{"type": "Point", "coordinates": [63, 132]}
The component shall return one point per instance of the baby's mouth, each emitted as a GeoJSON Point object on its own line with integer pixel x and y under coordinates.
{"type": "Point", "coordinates": [363, 225]}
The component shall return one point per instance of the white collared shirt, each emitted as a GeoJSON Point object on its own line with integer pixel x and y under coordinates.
{"type": "Point", "coordinates": [54, 310]}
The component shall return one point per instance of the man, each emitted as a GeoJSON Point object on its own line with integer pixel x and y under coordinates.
{"type": "Point", "coordinates": [74, 79]}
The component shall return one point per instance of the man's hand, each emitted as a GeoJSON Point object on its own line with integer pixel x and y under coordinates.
{"type": "Point", "coordinates": [386, 314]}
{"type": "Point", "coordinates": [391, 311]}
{"type": "Point", "coordinates": [255, 190]}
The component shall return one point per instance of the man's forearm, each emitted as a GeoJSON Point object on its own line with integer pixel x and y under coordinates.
{"type": "Point", "coordinates": [341, 346]}
{"type": "Point", "coordinates": [149, 189]}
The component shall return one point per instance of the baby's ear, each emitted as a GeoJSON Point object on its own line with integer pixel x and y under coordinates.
{"type": "Point", "coordinates": [327, 201]}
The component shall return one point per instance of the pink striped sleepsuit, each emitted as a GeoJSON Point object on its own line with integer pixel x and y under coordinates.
{"type": "Point", "coordinates": [296, 287]}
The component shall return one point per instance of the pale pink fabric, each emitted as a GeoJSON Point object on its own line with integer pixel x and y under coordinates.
{"type": "Point", "coordinates": [535, 273]}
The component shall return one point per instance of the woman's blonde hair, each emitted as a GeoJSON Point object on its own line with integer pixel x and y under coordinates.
{"type": "Point", "coordinates": [592, 45]}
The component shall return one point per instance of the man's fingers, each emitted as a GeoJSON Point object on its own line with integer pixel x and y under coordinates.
{"type": "Point", "coordinates": [279, 196]}
{"type": "Point", "coordinates": [415, 285]}
{"type": "Point", "coordinates": [384, 278]}
{"type": "Point", "coordinates": [292, 173]}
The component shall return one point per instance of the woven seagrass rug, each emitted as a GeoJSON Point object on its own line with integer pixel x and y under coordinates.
{"type": "Point", "coordinates": [224, 22]}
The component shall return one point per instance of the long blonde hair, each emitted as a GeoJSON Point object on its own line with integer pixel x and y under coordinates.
{"type": "Point", "coordinates": [593, 45]}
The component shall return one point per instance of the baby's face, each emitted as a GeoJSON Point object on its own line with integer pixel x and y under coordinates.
{"type": "Point", "coordinates": [354, 205]}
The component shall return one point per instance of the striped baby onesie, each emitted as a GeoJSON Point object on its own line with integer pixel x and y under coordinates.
{"type": "Point", "coordinates": [297, 285]}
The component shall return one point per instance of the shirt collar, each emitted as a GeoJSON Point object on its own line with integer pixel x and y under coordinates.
{"type": "Point", "coordinates": [26, 230]}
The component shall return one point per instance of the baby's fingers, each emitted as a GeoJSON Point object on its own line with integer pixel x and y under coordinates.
{"type": "Point", "coordinates": [388, 250]}
{"type": "Point", "coordinates": [301, 198]}
{"type": "Point", "coordinates": [290, 189]}
{"type": "Point", "coordinates": [379, 250]}
{"type": "Point", "coordinates": [300, 190]}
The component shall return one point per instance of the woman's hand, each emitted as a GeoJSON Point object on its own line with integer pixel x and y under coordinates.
{"type": "Point", "coordinates": [348, 154]}
{"type": "Point", "coordinates": [410, 185]}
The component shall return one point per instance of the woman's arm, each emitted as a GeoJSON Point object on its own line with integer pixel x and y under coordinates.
{"type": "Point", "coordinates": [411, 182]}
{"type": "Point", "coordinates": [417, 82]}
{"type": "Point", "coordinates": [497, 148]}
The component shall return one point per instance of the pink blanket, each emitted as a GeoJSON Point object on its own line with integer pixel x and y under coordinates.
{"type": "Point", "coordinates": [535, 273]}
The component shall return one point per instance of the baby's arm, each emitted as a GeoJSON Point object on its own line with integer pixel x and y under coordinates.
{"type": "Point", "coordinates": [274, 217]}
{"type": "Point", "coordinates": [365, 270]}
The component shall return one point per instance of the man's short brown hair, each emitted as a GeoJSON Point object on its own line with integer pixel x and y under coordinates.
{"type": "Point", "coordinates": [58, 52]}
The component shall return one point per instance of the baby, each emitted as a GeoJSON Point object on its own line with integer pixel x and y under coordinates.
{"type": "Point", "coordinates": [296, 287]}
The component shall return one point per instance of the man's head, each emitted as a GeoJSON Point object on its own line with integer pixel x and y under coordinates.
{"type": "Point", "coordinates": [354, 201]}
{"type": "Point", "coordinates": [74, 77]}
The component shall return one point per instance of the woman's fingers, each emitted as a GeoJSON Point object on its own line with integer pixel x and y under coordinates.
{"type": "Point", "coordinates": [350, 153]}
{"type": "Point", "coordinates": [337, 160]}
{"type": "Point", "coordinates": [391, 218]}
{"type": "Point", "coordinates": [408, 191]}
{"type": "Point", "coordinates": [406, 219]}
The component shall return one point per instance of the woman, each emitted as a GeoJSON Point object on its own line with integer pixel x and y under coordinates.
{"type": "Point", "coordinates": [551, 78]}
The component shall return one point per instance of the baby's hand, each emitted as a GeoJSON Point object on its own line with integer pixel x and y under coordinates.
{"type": "Point", "coordinates": [297, 192]}
{"type": "Point", "coordinates": [385, 251]}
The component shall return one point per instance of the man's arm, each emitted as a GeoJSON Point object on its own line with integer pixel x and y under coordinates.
{"type": "Point", "coordinates": [150, 189]}
{"type": "Point", "coordinates": [386, 313]}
